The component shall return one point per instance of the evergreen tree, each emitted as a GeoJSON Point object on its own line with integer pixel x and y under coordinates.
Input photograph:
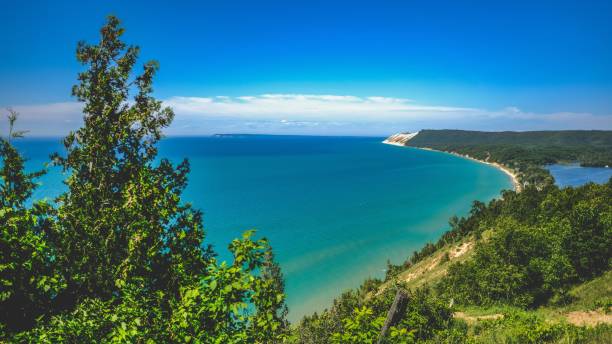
{"type": "Point", "coordinates": [122, 219]}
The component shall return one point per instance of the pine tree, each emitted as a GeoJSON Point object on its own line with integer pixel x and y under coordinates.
{"type": "Point", "coordinates": [122, 219]}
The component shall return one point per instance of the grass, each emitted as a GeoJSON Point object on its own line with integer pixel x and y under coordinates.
{"type": "Point", "coordinates": [504, 324]}
{"type": "Point", "coordinates": [595, 294]}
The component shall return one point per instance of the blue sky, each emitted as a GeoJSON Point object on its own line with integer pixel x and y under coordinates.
{"type": "Point", "coordinates": [328, 67]}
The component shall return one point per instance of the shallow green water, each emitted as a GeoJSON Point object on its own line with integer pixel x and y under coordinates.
{"type": "Point", "coordinates": [335, 209]}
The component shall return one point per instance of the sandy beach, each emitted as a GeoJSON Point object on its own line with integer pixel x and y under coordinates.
{"type": "Point", "coordinates": [506, 170]}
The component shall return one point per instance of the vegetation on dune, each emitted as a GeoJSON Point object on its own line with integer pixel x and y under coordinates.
{"type": "Point", "coordinates": [536, 248]}
{"type": "Point", "coordinates": [541, 244]}
{"type": "Point", "coordinates": [592, 295]}
{"type": "Point", "coordinates": [519, 326]}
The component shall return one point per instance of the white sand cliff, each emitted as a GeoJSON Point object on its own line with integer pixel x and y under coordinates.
{"type": "Point", "coordinates": [400, 139]}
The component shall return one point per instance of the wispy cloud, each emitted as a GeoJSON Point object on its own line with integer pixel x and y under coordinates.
{"type": "Point", "coordinates": [308, 106]}
{"type": "Point", "coordinates": [319, 114]}
{"type": "Point", "coordinates": [51, 119]}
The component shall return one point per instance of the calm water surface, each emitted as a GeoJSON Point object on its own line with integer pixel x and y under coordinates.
{"type": "Point", "coordinates": [334, 209]}
{"type": "Point", "coordinates": [574, 175]}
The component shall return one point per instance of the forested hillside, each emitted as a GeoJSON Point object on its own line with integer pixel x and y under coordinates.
{"type": "Point", "coordinates": [524, 258]}
{"type": "Point", "coordinates": [589, 148]}
{"type": "Point", "coordinates": [525, 153]}
{"type": "Point", "coordinates": [534, 139]}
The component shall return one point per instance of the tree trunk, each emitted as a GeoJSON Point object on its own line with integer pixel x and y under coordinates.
{"type": "Point", "coordinates": [395, 314]}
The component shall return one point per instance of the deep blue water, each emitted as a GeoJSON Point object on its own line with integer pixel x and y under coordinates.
{"type": "Point", "coordinates": [574, 175]}
{"type": "Point", "coordinates": [334, 209]}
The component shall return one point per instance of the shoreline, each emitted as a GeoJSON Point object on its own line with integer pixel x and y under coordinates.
{"type": "Point", "coordinates": [513, 178]}
{"type": "Point", "coordinates": [515, 183]}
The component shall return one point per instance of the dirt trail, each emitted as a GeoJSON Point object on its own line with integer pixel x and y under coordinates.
{"type": "Point", "coordinates": [473, 319]}
{"type": "Point", "coordinates": [578, 318]}
{"type": "Point", "coordinates": [588, 318]}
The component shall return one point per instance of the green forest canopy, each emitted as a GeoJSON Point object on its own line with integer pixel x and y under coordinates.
{"type": "Point", "coordinates": [570, 138]}
{"type": "Point", "coordinates": [588, 147]}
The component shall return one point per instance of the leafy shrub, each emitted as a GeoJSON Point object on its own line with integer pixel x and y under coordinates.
{"type": "Point", "coordinates": [357, 317]}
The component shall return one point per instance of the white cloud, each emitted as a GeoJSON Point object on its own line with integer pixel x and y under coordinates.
{"type": "Point", "coordinates": [51, 119]}
{"type": "Point", "coordinates": [318, 114]}
{"type": "Point", "coordinates": [308, 107]}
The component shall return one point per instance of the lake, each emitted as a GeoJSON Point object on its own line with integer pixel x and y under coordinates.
{"type": "Point", "coordinates": [575, 175]}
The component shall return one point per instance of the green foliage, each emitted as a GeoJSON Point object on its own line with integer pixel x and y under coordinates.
{"type": "Point", "coordinates": [524, 327]}
{"type": "Point", "coordinates": [219, 305]}
{"type": "Point", "coordinates": [595, 294]}
{"type": "Point", "coordinates": [536, 139]}
{"type": "Point", "coordinates": [541, 244]}
{"type": "Point", "coordinates": [133, 317]}
{"type": "Point", "coordinates": [17, 185]}
{"type": "Point", "coordinates": [28, 278]}
{"type": "Point", "coordinates": [120, 259]}
{"type": "Point", "coordinates": [121, 218]}
{"type": "Point", "coordinates": [524, 152]}
{"type": "Point", "coordinates": [214, 310]}
{"type": "Point", "coordinates": [358, 316]}
{"type": "Point", "coordinates": [361, 327]}
{"type": "Point", "coordinates": [591, 148]}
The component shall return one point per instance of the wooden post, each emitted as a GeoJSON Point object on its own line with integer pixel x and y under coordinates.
{"type": "Point", "coordinates": [395, 314]}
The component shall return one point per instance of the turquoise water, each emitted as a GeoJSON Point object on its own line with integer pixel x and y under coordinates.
{"type": "Point", "coordinates": [334, 209]}
{"type": "Point", "coordinates": [575, 175]}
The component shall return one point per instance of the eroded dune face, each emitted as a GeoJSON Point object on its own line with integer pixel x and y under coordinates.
{"type": "Point", "coordinates": [400, 139]}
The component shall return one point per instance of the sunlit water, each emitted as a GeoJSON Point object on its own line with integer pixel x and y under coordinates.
{"type": "Point", "coordinates": [334, 209]}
